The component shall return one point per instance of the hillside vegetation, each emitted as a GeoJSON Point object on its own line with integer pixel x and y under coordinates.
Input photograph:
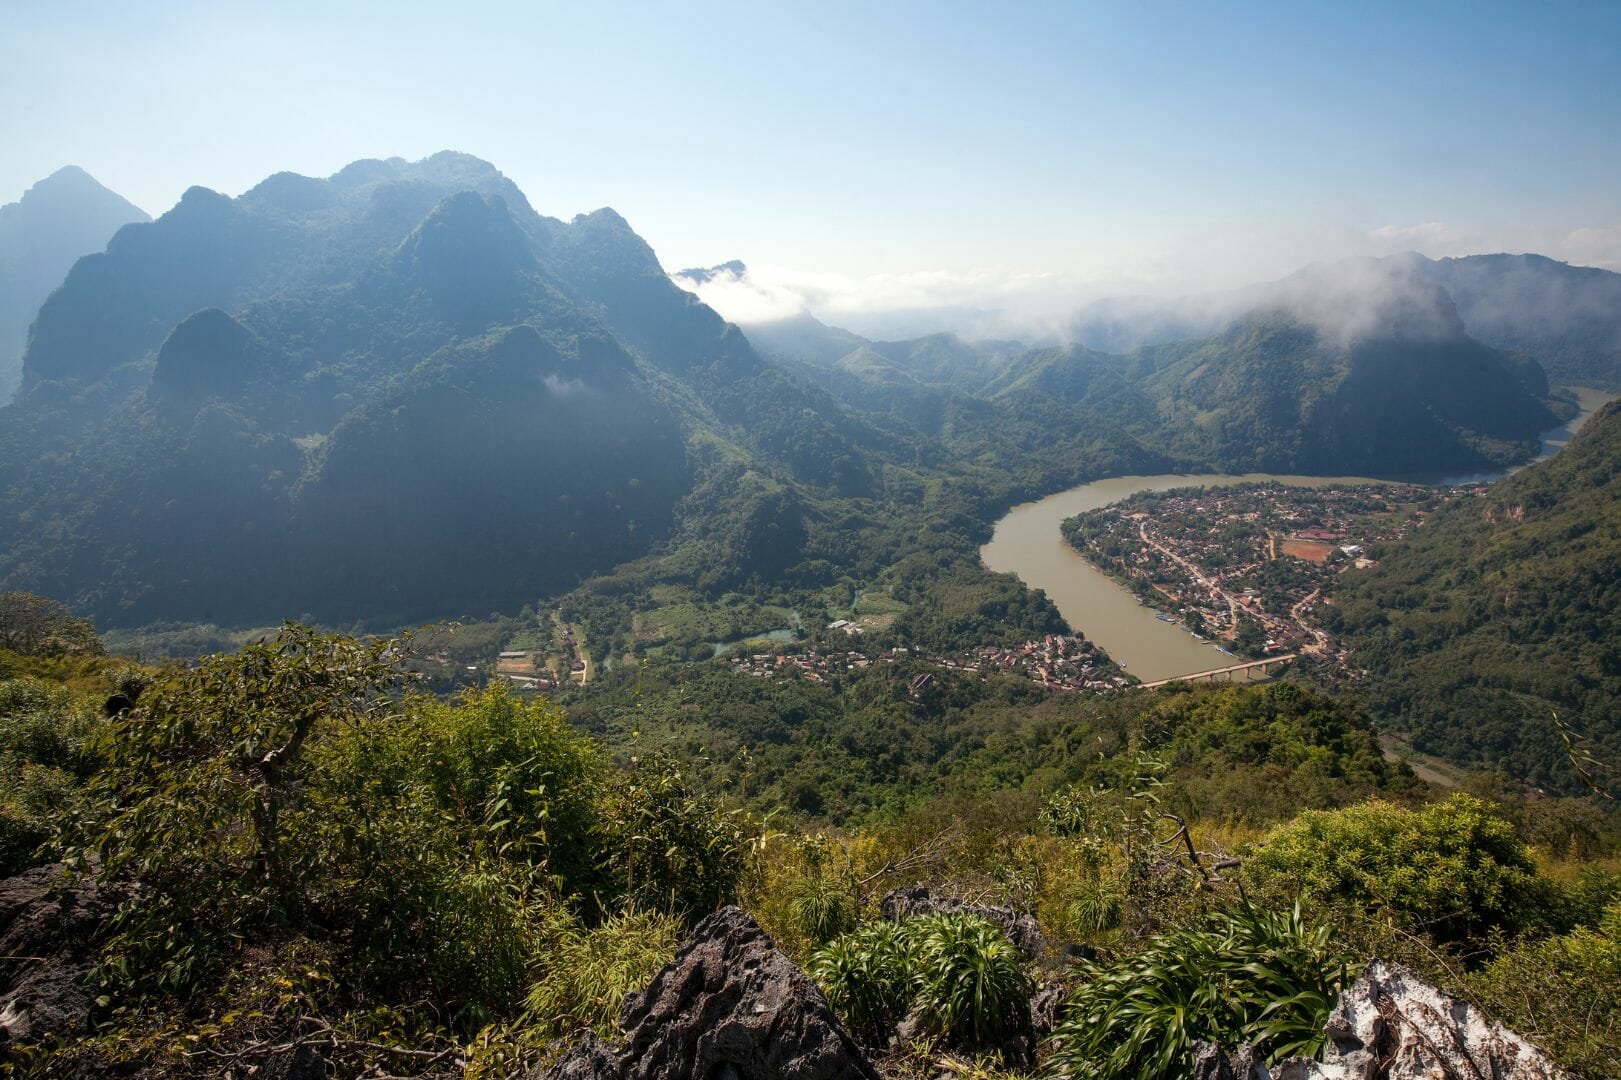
{"type": "Point", "coordinates": [291, 848]}
{"type": "Point", "coordinates": [1498, 619]}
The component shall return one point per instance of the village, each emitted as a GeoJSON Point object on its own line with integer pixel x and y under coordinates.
{"type": "Point", "coordinates": [1059, 662]}
{"type": "Point", "coordinates": [1249, 565]}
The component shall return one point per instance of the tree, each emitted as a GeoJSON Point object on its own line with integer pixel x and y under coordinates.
{"type": "Point", "coordinates": [202, 779]}
{"type": "Point", "coordinates": [39, 626]}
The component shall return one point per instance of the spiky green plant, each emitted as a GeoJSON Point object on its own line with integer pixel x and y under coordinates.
{"type": "Point", "coordinates": [960, 972]}
{"type": "Point", "coordinates": [868, 976]}
{"type": "Point", "coordinates": [971, 985]}
{"type": "Point", "coordinates": [1098, 907]}
{"type": "Point", "coordinates": [823, 906]}
{"type": "Point", "coordinates": [1255, 977]}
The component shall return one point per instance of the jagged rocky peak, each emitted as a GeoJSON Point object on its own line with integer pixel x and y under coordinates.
{"type": "Point", "coordinates": [703, 275]}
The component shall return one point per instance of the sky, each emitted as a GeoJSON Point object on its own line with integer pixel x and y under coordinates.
{"type": "Point", "coordinates": [880, 155]}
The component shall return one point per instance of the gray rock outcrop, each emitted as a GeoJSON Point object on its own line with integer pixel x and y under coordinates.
{"type": "Point", "coordinates": [589, 1059]}
{"type": "Point", "coordinates": [1391, 1025]}
{"type": "Point", "coordinates": [50, 927]}
{"type": "Point", "coordinates": [728, 1007]}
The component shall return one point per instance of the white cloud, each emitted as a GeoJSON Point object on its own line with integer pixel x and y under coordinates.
{"type": "Point", "coordinates": [1593, 246]}
{"type": "Point", "coordinates": [981, 302]}
{"type": "Point", "coordinates": [1426, 233]}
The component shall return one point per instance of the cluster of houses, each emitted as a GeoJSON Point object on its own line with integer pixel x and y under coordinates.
{"type": "Point", "coordinates": [519, 669]}
{"type": "Point", "coordinates": [1057, 661]}
{"type": "Point", "coordinates": [1206, 552]}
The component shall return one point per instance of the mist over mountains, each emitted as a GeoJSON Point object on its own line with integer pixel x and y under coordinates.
{"type": "Point", "coordinates": [1365, 366]}
{"type": "Point", "coordinates": [1566, 318]}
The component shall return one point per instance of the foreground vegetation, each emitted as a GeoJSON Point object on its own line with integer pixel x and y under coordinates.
{"type": "Point", "coordinates": [309, 850]}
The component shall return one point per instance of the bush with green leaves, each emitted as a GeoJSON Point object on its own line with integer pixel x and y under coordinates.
{"type": "Point", "coordinates": [960, 973]}
{"type": "Point", "coordinates": [1452, 869]}
{"type": "Point", "coordinates": [1563, 993]}
{"type": "Point", "coordinates": [587, 971]}
{"type": "Point", "coordinates": [509, 777]}
{"type": "Point", "coordinates": [43, 761]}
{"type": "Point", "coordinates": [285, 791]}
{"type": "Point", "coordinates": [207, 799]}
{"type": "Point", "coordinates": [1255, 977]}
{"type": "Point", "coordinates": [667, 845]}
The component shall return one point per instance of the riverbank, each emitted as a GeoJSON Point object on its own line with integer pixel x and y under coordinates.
{"type": "Point", "coordinates": [1027, 542]}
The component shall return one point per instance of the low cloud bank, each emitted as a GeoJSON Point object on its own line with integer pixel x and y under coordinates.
{"type": "Point", "coordinates": [1383, 286]}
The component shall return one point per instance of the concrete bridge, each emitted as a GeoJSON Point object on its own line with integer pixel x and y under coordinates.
{"type": "Point", "coordinates": [1227, 671]}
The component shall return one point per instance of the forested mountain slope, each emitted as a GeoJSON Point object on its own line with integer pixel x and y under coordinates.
{"type": "Point", "coordinates": [393, 393]}
{"type": "Point", "coordinates": [64, 216]}
{"type": "Point", "coordinates": [1299, 388]}
{"type": "Point", "coordinates": [1502, 612]}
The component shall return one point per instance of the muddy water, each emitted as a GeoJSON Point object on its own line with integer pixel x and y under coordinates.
{"type": "Point", "coordinates": [1027, 542]}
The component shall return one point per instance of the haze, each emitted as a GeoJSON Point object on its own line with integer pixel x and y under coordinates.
{"type": "Point", "coordinates": [917, 157]}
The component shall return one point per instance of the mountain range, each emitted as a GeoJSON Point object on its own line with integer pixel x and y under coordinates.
{"type": "Point", "coordinates": [399, 392]}
{"type": "Point", "coordinates": [1350, 369]}
{"type": "Point", "coordinates": [391, 393]}
{"type": "Point", "coordinates": [64, 216]}
{"type": "Point", "coordinates": [1565, 318]}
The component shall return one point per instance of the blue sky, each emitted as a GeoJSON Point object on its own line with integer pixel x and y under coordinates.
{"type": "Point", "coordinates": [881, 153]}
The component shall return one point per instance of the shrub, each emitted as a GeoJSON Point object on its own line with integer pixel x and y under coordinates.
{"type": "Point", "coordinates": [668, 846]}
{"type": "Point", "coordinates": [959, 972]}
{"type": "Point", "coordinates": [282, 791]}
{"type": "Point", "coordinates": [1562, 993]}
{"type": "Point", "coordinates": [586, 972]}
{"type": "Point", "coordinates": [1452, 869]}
{"type": "Point", "coordinates": [1257, 977]}
{"type": "Point", "coordinates": [36, 801]}
{"type": "Point", "coordinates": [869, 977]}
{"type": "Point", "coordinates": [510, 777]}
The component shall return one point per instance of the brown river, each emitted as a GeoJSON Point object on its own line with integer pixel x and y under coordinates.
{"type": "Point", "coordinates": [1027, 542]}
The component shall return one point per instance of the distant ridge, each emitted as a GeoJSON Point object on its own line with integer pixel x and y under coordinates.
{"type": "Point", "coordinates": [1566, 318]}
{"type": "Point", "coordinates": [64, 216]}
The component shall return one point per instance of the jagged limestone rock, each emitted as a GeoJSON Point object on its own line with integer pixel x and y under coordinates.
{"type": "Point", "coordinates": [50, 926]}
{"type": "Point", "coordinates": [589, 1059]}
{"type": "Point", "coordinates": [731, 1005]}
{"type": "Point", "coordinates": [1391, 1025]}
